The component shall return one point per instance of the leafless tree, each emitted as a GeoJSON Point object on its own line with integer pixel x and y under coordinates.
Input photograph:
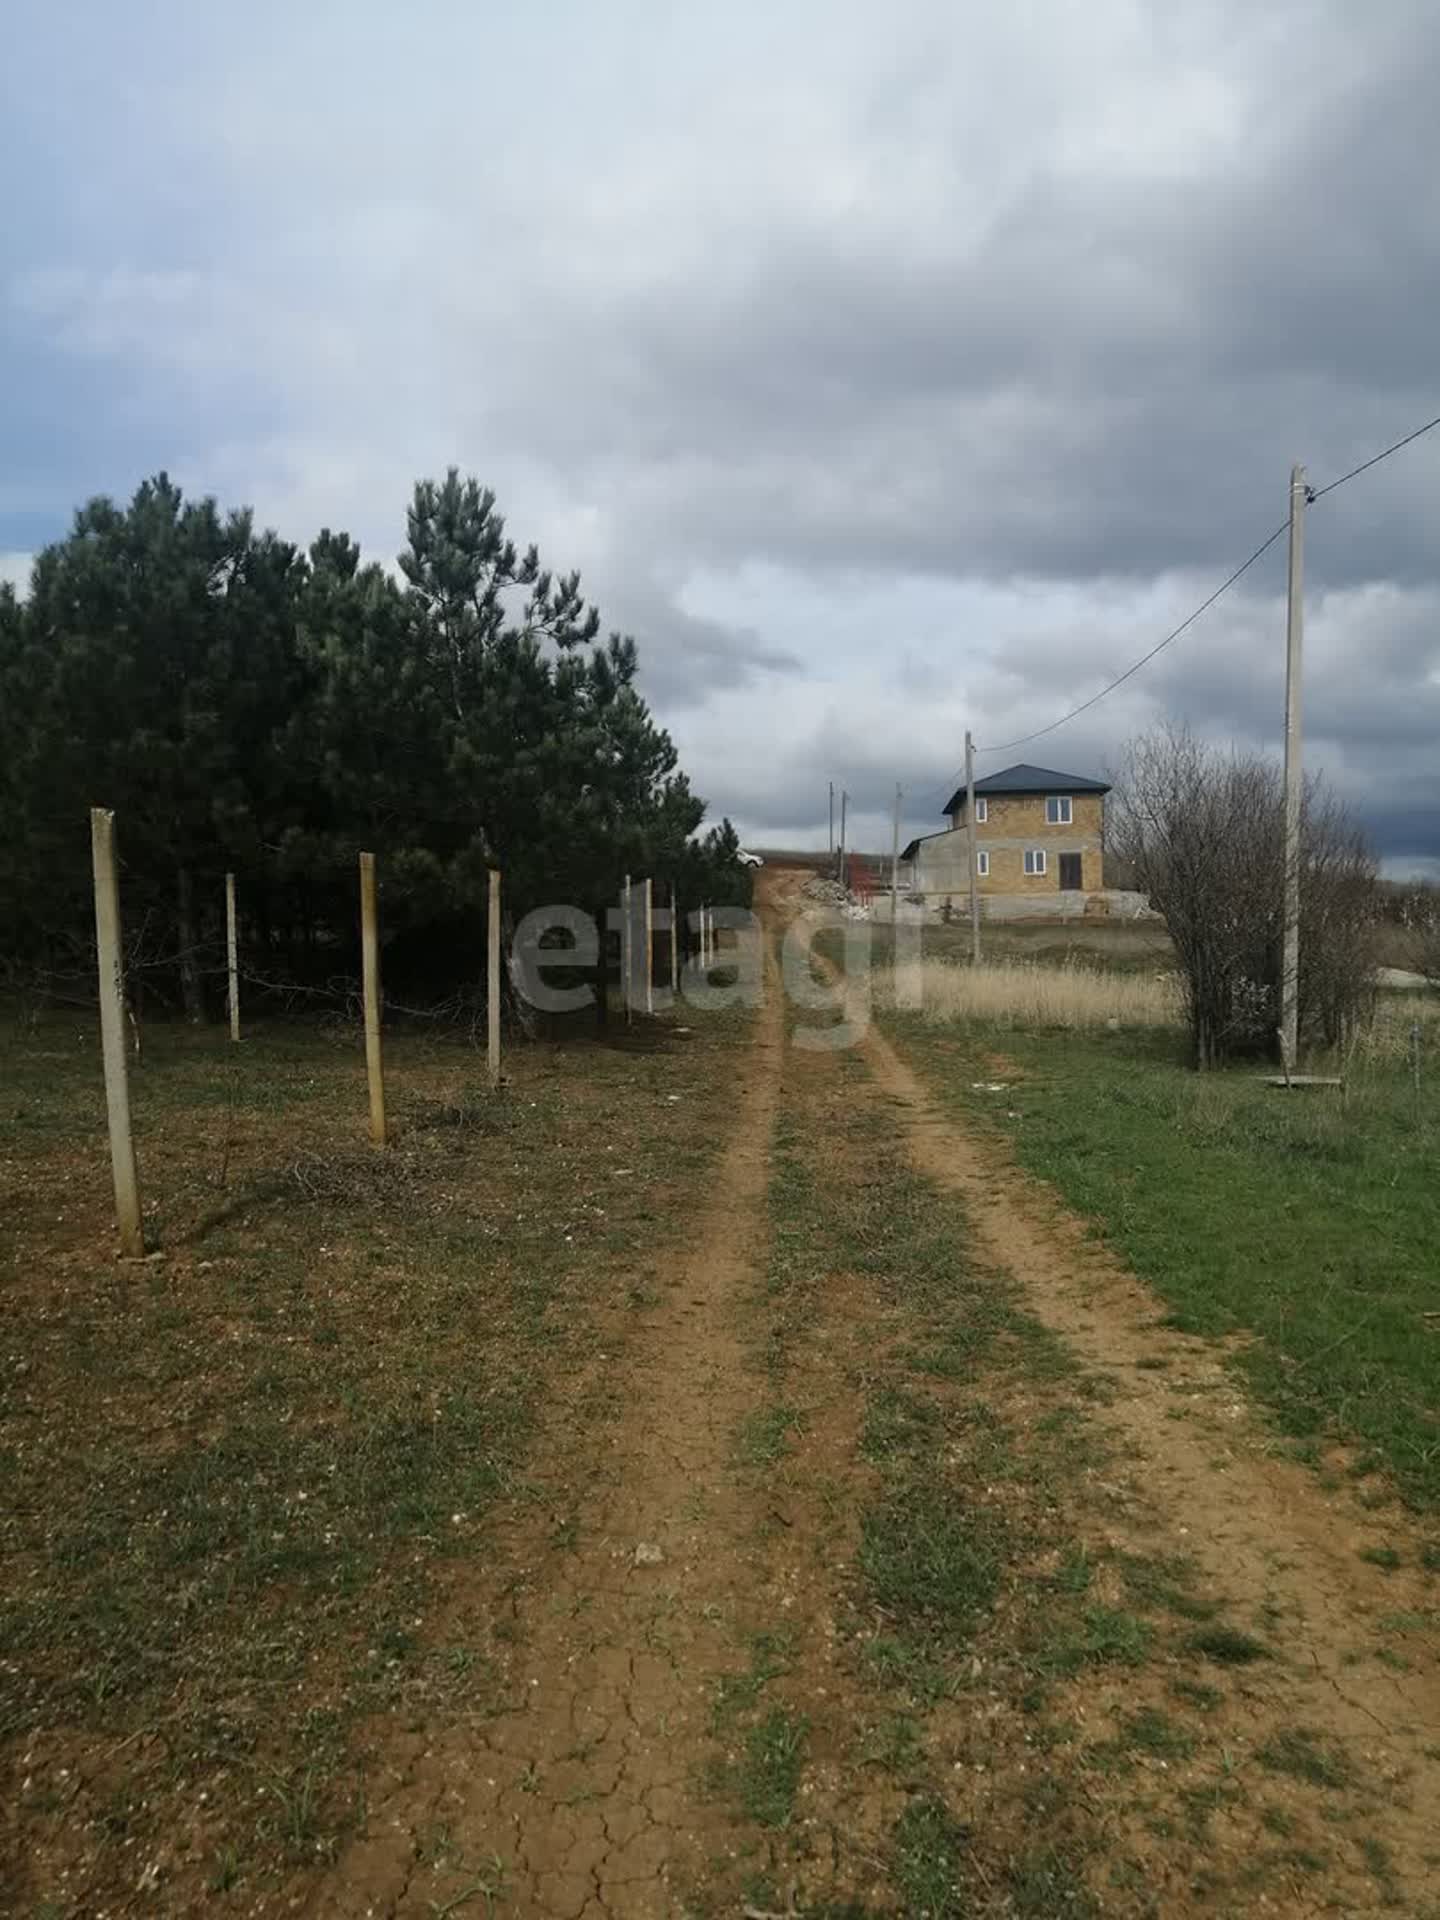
{"type": "Point", "coordinates": [1203, 832]}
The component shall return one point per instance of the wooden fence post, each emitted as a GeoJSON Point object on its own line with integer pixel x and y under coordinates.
{"type": "Point", "coordinates": [674, 942]}
{"type": "Point", "coordinates": [492, 1005]}
{"type": "Point", "coordinates": [232, 956]}
{"type": "Point", "coordinates": [370, 956]}
{"type": "Point", "coordinates": [112, 1033]}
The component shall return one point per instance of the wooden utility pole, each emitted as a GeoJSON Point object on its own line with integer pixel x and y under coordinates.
{"type": "Point", "coordinates": [972, 841]}
{"type": "Point", "coordinates": [649, 945]}
{"type": "Point", "coordinates": [492, 979]}
{"type": "Point", "coordinates": [844, 801]}
{"type": "Point", "coordinates": [232, 956]}
{"type": "Point", "coordinates": [895, 870]}
{"type": "Point", "coordinates": [370, 967]}
{"type": "Point", "coordinates": [674, 942]}
{"type": "Point", "coordinates": [1294, 776]}
{"type": "Point", "coordinates": [832, 827]}
{"type": "Point", "coordinates": [112, 1033]}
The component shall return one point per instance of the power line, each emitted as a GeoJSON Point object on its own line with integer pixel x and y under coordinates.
{"type": "Point", "coordinates": [1374, 461]}
{"type": "Point", "coordinates": [1174, 634]}
{"type": "Point", "coordinates": [1007, 746]}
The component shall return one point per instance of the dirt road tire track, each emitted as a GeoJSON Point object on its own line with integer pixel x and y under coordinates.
{"type": "Point", "coordinates": [1268, 1535]}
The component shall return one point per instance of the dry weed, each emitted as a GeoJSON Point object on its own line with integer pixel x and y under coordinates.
{"type": "Point", "coordinates": [1027, 995]}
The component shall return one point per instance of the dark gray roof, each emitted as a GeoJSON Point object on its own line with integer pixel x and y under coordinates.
{"type": "Point", "coordinates": [1027, 779]}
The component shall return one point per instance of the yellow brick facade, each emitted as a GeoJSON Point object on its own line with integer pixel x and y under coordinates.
{"type": "Point", "coordinates": [1015, 822]}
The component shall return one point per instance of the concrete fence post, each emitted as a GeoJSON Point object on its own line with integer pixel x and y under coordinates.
{"type": "Point", "coordinates": [370, 960]}
{"type": "Point", "coordinates": [112, 1033]}
{"type": "Point", "coordinates": [492, 1007]}
{"type": "Point", "coordinates": [649, 946]}
{"type": "Point", "coordinates": [232, 956]}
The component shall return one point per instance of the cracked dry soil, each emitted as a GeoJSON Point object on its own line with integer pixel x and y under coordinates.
{"type": "Point", "coordinates": [582, 1781]}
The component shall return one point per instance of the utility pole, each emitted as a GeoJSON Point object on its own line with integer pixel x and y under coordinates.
{"type": "Point", "coordinates": [895, 869]}
{"type": "Point", "coordinates": [832, 826]}
{"type": "Point", "coordinates": [840, 870]}
{"type": "Point", "coordinates": [972, 837]}
{"type": "Point", "coordinates": [1294, 775]}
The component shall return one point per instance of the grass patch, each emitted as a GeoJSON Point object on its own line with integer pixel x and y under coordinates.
{"type": "Point", "coordinates": [1164, 1582]}
{"type": "Point", "coordinates": [1309, 1223]}
{"type": "Point", "coordinates": [892, 1743]}
{"type": "Point", "coordinates": [770, 1657]}
{"type": "Point", "coordinates": [925, 1559]}
{"type": "Point", "coordinates": [897, 1423]}
{"type": "Point", "coordinates": [764, 1435]}
{"type": "Point", "coordinates": [1196, 1694]}
{"type": "Point", "coordinates": [1305, 1756]}
{"type": "Point", "coordinates": [1228, 1646]}
{"type": "Point", "coordinates": [769, 1774]}
{"type": "Point", "coordinates": [235, 1477]}
{"type": "Point", "coordinates": [1102, 1636]}
{"type": "Point", "coordinates": [929, 1854]}
{"type": "Point", "coordinates": [1386, 1558]}
{"type": "Point", "coordinates": [911, 1666]}
{"type": "Point", "coordinates": [1153, 1732]}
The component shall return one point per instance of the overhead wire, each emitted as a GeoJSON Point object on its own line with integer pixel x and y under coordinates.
{"type": "Point", "coordinates": [1174, 634]}
{"type": "Point", "coordinates": [1375, 459]}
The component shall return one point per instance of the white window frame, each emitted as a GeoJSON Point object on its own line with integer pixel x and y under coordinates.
{"type": "Point", "coordinates": [982, 863]}
{"type": "Point", "coordinates": [1063, 814]}
{"type": "Point", "coordinates": [1035, 863]}
{"type": "Point", "coordinates": [982, 810]}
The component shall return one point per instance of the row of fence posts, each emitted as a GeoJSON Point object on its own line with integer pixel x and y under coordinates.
{"type": "Point", "coordinates": [110, 951]}
{"type": "Point", "coordinates": [632, 945]}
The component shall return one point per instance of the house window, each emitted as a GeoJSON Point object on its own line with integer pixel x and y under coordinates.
{"type": "Point", "coordinates": [1057, 811]}
{"type": "Point", "coordinates": [982, 865]}
{"type": "Point", "coordinates": [1035, 860]}
{"type": "Point", "coordinates": [982, 810]}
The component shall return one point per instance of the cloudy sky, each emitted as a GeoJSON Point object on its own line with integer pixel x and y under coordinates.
{"type": "Point", "coordinates": [886, 371]}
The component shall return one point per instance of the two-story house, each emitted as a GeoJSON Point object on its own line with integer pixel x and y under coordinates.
{"type": "Point", "coordinates": [1040, 834]}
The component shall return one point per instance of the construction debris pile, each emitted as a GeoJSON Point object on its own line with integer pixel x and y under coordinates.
{"type": "Point", "coordinates": [830, 894]}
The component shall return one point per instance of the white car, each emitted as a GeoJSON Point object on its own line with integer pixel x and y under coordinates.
{"type": "Point", "coordinates": [749, 859]}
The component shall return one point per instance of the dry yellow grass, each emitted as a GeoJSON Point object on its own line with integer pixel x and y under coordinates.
{"type": "Point", "coordinates": [1031, 994]}
{"type": "Point", "coordinates": [1027, 995]}
{"type": "Point", "coordinates": [1386, 1037]}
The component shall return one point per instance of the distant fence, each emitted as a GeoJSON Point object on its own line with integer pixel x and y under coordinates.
{"type": "Point", "coordinates": [641, 957]}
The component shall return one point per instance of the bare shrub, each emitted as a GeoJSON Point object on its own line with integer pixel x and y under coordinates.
{"type": "Point", "coordinates": [1203, 830]}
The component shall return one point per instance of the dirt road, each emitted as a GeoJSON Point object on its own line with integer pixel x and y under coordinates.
{"type": "Point", "coordinates": [901, 1562]}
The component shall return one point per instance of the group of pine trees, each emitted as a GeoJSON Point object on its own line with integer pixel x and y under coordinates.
{"type": "Point", "coordinates": [246, 707]}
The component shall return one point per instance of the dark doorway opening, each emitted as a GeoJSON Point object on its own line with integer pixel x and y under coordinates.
{"type": "Point", "coordinates": [1070, 881]}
